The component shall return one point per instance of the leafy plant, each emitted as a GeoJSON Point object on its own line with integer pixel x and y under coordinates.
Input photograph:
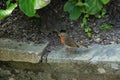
{"type": "Point", "coordinates": [76, 8]}
{"type": "Point", "coordinates": [90, 7]}
{"type": "Point", "coordinates": [105, 26]}
{"type": "Point", "coordinates": [8, 11]}
{"type": "Point", "coordinates": [88, 31]}
{"type": "Point", "coordinates": [28, 7]}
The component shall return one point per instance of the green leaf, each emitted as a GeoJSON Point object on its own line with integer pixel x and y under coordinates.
{"type": "Point", "coordinates": [95, 6]}
{"type": "Point", "coordinates": [82, 25]}
{"type": "Point", "coordinates": [105, 1]}
{"type": "Point", "coordinates": [75, 13]}
{"type": "Point", "coordinates": [105, 26]}
{"type": "Point", "coordinates": [84, 20]}
{"type": "Point", "coordinates": [8, 11]}
{"type": "Point", "coordinates": [41, 3]}
{"type": "Point", "coordinates": [88, 29]}
{"type": "Point", "coordinates": [103, 12]}
{"type": "Point", "coordinates": [27, 6]}
{"type": "Point", "coordinates": [81, 4]}
{"type": "Point", "coordinates": [89, 34]}
{"type": "Point", "coordinates": [8, 3]}
{"type": "Point", "coordinates": [68, 6]}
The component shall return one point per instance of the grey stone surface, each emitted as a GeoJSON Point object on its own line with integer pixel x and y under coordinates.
{"type": "Point", "coordinates": [94, 53]}
{"type": "Point", "coordinates": [11, 50]}
{"type": "Point", "coordinates": [97, 59]}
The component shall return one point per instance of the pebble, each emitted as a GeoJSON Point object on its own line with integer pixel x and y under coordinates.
{"type": "Point", "coordinates": [11, 79]}
{"type": "Point", "coordinates": [17, 71]}
{"type": "Point", "coordinates": [101, 70]}
{"type": "Point", "coordinates": [97, 40]}
{"type": "Point", "coordinates": [112, 42]}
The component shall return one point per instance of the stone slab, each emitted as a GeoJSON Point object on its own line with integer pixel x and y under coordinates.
{"type": "Point", "coordinates": [94, 53]}
{"type": "Point", "coordinates": [11, 50]}
{"type": "Point", "coordinates": [96, 59]}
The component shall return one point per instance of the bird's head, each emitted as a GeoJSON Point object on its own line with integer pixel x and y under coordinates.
{"type": "Point", "coordinates": [62, 34]}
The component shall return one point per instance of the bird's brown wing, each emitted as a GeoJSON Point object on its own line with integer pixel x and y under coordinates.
{"type": "Point", "coordinates": [72, 45]}
{"type": "Point", "coordinates": [82, 44]}
{"type": "Point", "coordinates": [70, 42]}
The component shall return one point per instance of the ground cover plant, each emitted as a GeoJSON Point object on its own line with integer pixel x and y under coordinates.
{"type": "Point", "coordinates": [76, 8]}
{"type": "Point", "coordinates": [28, 7]}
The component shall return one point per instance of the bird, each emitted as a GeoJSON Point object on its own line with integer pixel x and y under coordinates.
{"type": "Point", "coordinates": [69, 41]}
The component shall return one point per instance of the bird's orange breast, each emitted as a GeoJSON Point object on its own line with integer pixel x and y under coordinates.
{"type": "Point", "coordinates": [62, 40]}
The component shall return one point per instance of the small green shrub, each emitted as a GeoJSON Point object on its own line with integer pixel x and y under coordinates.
{"type": "Point", "coordinates": [106, 27]}
{"type": "Point", "coordinates": [88, 31]}
{"type": "Point", "coordinates": [90, 7]}
{"type": "Point", "coordinates": [86, 7]}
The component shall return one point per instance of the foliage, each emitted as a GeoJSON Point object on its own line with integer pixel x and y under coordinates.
{"type": "Point", "coordinates": [28, 7]}
{"type": "Point", "coordinates": [88, 31]}
{"type": "Point", "coordinates": [105, 26]}
{"type": "Point", "coordinates": [90, 7]}
{"type": "Point", "coordinates": [76, 8]}
{"type": "Point", "coordinates": [8, 11]}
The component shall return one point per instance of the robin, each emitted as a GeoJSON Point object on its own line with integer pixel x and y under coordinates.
{"type": "Point", "coordinates": [68, 41]}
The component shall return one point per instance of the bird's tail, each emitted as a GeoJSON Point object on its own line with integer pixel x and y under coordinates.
{"type": "Point", "coordinates": [82, 44]}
